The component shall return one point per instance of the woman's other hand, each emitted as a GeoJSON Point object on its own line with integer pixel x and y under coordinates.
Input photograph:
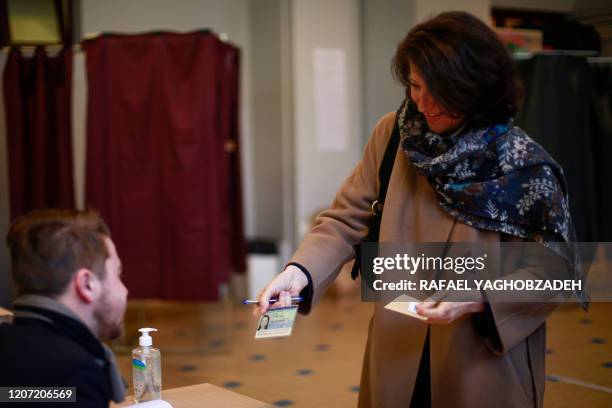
{"type": "Point", "coordinates": [288, 283]}
{"type": "Point", "coordinates": [447, 312]}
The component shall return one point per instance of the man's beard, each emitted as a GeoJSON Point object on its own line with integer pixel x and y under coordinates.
{"type": "Point", "coordinates": [109, 326]}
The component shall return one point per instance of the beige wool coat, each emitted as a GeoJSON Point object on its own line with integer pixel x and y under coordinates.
{"type": "Point", "coordinates": [505, 369]}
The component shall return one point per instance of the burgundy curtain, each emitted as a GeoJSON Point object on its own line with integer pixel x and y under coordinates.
{"type": "Point", "coordinates": [161, 115]}
{"type": "Point", "coordinates": [228, 89]}
{"type": "Point", "coordinates": [37, 98]}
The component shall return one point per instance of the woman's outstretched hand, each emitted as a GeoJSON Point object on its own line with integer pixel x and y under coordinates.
{"type": "Point", "coordinates": [288, 283]}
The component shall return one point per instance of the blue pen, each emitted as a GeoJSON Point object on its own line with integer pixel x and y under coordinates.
{"type": "Point", "coordinates": [296, 299]}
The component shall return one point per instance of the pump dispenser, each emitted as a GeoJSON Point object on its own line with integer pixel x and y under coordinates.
{"type": "Point", "coordinates": [145, 339]}
{"type": "Point", "coordinates": [146, 368]}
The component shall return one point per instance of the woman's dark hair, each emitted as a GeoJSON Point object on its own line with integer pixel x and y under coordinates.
{"type": "Point", "coordinates": [464, 64]}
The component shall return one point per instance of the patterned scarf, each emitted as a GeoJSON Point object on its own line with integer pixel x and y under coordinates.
{"type": "Point", "coordinates": [494, 178]}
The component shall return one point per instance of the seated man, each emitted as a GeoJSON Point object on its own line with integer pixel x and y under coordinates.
{"type": "Point", "coordinates": [70, 297]}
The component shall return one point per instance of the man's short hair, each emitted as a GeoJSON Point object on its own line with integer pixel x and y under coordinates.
{"type": "Point", "coordinates": [48, 246]}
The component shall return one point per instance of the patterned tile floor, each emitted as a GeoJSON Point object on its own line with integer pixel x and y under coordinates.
{"type": "Point", "coordinates": [320, 364]}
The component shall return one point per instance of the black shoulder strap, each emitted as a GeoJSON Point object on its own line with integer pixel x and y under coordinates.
{"type": "Point", "coordinates": [384, 173]}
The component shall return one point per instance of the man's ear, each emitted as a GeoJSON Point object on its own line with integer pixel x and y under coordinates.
{"type": "Point", "coordinates": [87, 285]}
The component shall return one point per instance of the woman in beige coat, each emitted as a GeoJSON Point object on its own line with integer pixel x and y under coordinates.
{"type": "Point", "coordinates": [461, 174]}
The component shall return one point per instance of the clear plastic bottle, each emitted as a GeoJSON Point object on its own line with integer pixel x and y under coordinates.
{"type": "Point", "coordinates": [146, 368]}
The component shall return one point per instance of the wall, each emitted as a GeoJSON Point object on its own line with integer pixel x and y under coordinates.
{"type": "Point", "coordinates": [267, 118]}
{"type": "Point", "coordinates": [335, 24]}
{"type": "Point", "coordinates": [384, 24]}
{"type": "Point", "coordinates": [287, 113]}
{"type": "Point", "coordinates": [79, 121]}
{"type": "Point", "coordinates": [424, 9]}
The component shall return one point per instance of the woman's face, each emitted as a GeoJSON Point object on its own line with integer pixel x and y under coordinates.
{"type": "Point", "coordinates": [438, 119]}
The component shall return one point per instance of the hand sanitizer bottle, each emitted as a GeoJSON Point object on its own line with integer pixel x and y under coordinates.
{"type": "Point", "coordinates": [146, 368]}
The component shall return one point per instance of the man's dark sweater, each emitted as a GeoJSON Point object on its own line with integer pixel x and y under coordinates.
{"type": "Point", "coordinates": [48, 346]}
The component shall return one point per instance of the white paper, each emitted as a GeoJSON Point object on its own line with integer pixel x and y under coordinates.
{"type": "Point", "coordinates": [331, 99]}
{"type": "Point", "coordinates": [151, 404]}
{"type": "Point", "coordinates": [405, 305]}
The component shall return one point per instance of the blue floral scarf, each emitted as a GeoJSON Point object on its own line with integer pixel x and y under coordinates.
{"type": "Point", "coordinates": [494, 178]}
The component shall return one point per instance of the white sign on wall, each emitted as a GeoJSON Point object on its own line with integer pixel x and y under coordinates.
{"type": "Point", "coordinates": [331, 99]}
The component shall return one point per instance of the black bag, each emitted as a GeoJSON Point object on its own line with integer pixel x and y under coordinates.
{"type": "Point", "coordinates": [384, 174]}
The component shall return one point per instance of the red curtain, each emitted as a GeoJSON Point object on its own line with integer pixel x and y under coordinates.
{"type": "Point", "coordinates": [37, 98]}
{"type": "Point", "coordinates": [229, 87]}
{"type": "Point", "coordinates": [162, 159]}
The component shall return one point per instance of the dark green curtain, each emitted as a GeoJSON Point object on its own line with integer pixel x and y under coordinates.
{"type": "Point", "coordinates": [601, 116]}
{"type": "Point", "coordinates": [567, 110]}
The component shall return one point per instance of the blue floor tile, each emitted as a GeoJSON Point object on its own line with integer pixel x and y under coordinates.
{"type": "Point", "coordinates": [232, 384]}
{"type": "Point", "coordinates": [607, 364]}
{"type": "Point", "coordinates": [304, 372]}
{"type": "Point", "coordinates": [552, 378]}
{"type": "Point", "coordinates": [321, 347]}
{"type": "Point", "coordinates": [216, 343]}
{"type": "Point", "coordinates": [598, 340]}
{"type": "Point", "coordinates": [258, 357]}
{"type": "Point", "coordinates": [188, 368]}
{"type": "Point", "coordinates": [213, 327]}
{"type": "Point", "coordinates": [354, 388]}
{"type": "Point", "coordinates": [283, 403]}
